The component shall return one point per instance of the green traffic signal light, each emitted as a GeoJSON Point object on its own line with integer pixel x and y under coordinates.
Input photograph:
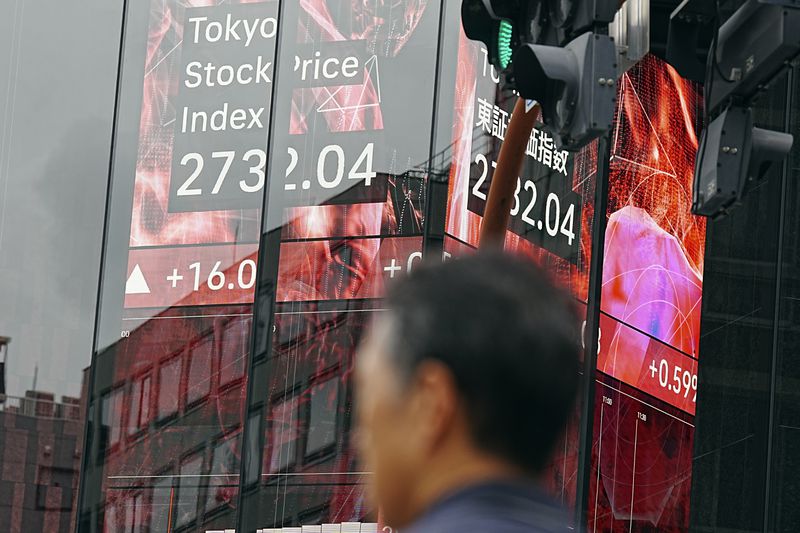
{"type": "Point", "coordinates": [496, 31]}
{"type": "Point", "coordinates": [504, 51]}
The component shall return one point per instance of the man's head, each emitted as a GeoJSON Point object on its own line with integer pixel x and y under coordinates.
{"type": "Point", "coordinates": [470, 375]}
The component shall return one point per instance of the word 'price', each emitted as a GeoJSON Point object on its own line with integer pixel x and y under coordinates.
{"type": "Point", "coordinates": [680, 381]}
{"type": "Point", "coordinates": [554, 223]}
{"type": "Point", "coordinates": [333, 157]}
{"type": "Point", "coordinates": [257, 158]}
{"type": "Point", "coordinates": [242, 278]}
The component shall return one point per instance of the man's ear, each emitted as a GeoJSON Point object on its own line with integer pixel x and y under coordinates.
{"type": "Point", "coordinates": [435, 402]}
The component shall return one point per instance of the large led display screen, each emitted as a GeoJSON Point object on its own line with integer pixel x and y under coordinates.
{"type": "Point", "coordinates": [553, 206]}
{"type": "Point", "coordinates": [349, 147]}
{"type": "Point", "coordinates": [341, 166]}
{"type": "Point", "coordinates": [187, 189]}
{"type": "Point", "coordinates": [650, 308]}
{"type": "Point", "coordinates": [345, 177]}
{"type": "Point", "coordinates": [651, 279]}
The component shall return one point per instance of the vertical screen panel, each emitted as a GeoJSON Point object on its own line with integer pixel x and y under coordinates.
{"type": "Point", "coordinates": [344, 216]}
{"type": "Point", "coordinates": [553, 208]}
{"type": "Point", "coordinates": [738, 433]}
{"type": "Point", "coordinates": [650, 308]}
{"type": "Point", "coordinates": [553, 202]}
{"type": "Point", "coordinates": [188, 182]}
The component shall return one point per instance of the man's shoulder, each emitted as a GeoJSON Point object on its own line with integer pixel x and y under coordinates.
{"type": "Point", "coordinates": [497, 508]}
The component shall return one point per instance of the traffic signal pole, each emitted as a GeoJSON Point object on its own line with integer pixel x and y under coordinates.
{"type": "Point", "coordinates": [504, 180]}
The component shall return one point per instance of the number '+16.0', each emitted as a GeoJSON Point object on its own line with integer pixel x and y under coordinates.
{"type": "Point", "coordinates": [216, 278]}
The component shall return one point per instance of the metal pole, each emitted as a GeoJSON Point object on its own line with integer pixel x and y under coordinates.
{"type": "Point", "coordinates": [593, 333]}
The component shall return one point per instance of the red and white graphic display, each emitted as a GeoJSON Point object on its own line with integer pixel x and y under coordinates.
{"type": "Point", "coordinates": [346, 196]}
{"type": "Point", "coordinates": [650, 308]}
{"type": "Point", "coordinates": [552, 209]}
{"type": "Point", "coordinates": [652, 274]}
{"type": "Point", "coordinates": [342, 168]}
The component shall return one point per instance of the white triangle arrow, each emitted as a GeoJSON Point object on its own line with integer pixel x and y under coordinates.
{"type": "Point", "coordinates": [136, 283]}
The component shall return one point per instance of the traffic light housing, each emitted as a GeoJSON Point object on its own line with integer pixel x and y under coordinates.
{"type": "Point", "coordinates": [482, 23]}
{"type": "Point", "coordinates": [575, 86]}
{"type": "Point", "coordinates": [564, 59]}
{"type": "Point", "coordinates": [733, 157]}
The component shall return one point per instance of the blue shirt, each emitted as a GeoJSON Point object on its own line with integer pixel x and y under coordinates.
{"type": "Point", "coordinates": [493, 508]}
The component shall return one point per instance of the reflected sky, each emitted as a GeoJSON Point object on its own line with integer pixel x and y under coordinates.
{"type": "Point", "coordinates": [58, 66]}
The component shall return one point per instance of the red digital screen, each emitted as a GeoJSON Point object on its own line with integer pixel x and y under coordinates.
{"type": "Point", "coordinates": [553, 200]}
{"type": "Point", "coordinates": [652, 274]}
{"type": "Point", "coordinates": [652, 271]}
{"type": "Point", "coordinates": [551, 215]}
{"type": "Point", "coordinates": [341, 167]}
{"type": "Point", "coordinates": [650, 308]}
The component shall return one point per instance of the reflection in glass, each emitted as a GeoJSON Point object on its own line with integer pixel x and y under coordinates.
{"type": "Point", "coordinates": [112, 408]}
{"type": "Point", "coordinates": [139, 415]}
{"type": "Point", "coordinates": [111, 518]}
{"type": "Point", "coordinates": [188, 490]}
{"type": "Point", "coordinates": [283, 434]}
{"type": "Point", "coordinates": [322, 428]}
{"type": "Point", "coordinates": [233, 355]}
{"type": "Point", "coordinates": [225, 470]}
{"type": "Point", "coordinates": [345, 216]}
{"type": "Point", "coordinates": [169, 380]}
{"type": "Point", "coordinates": [199, 384]}
{"type": "Point", "coordinates": [180, 263]}
{"type": "Point", "coordinates": [136, 523]}
{"type": "Point", "coordinates": [162, 494]}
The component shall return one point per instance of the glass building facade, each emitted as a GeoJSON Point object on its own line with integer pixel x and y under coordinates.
{"type": "Point", "coordinates": [201, 203]}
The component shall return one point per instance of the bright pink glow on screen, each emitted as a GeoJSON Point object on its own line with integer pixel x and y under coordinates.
{"type": "Point", "coordinates": [652, 272]}
{"type": "Point", "coordinates": [652, 288]}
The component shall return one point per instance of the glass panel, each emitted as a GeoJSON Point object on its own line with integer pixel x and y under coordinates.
{"type": "Point", "coordinates": [199, 380]}
{"type": "Point", "coordinates": [738, 349]}
{"type": "Point", "coordinates": [650, 320]}
{"type": "Point", "coordinates": [188, 490]}
{"type": "Point", "coordinates": [169, 381]}
{"type": "Point", "coordinates": [283, 435]}
{"type": "Point", "coordinates": [162, 493]}
{"type": "Point", "coordinates": [322, 428]}
{"type": "Point", "coordinates": [551, 222]}
{"type": "Point", "coordinates": [180, 260]}
{"type": "Point", "coordinates": [111, 519]}
{"type": "Point", "coordinates": [233, 356]}
{"type": "Point", "coordinates": [224, 467]}
{"type": "Point", "coordinates": [58, 67]}
{"type": "Point", "coordinates": [344, 216]}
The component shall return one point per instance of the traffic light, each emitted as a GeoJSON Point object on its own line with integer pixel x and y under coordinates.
{"type": "Point", "coordinates": [495, 24]}
{"type": "Point", "coordinates": [575, 85]}
{"type": "Point", "coordinates": [563, 59]}
{"type": "Point", "coordinates": [737, 59]}
{"type": "Point", "coordinates": [733, 157]}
